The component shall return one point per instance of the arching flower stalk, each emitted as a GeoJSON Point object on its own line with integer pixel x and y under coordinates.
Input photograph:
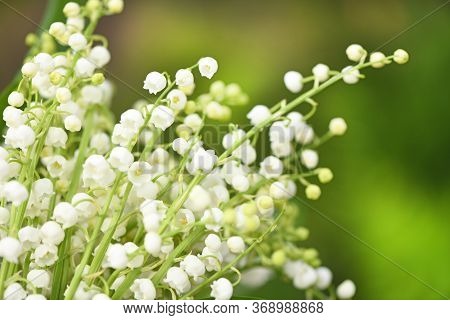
{"type": "Point", "coordinates": [144, 208]}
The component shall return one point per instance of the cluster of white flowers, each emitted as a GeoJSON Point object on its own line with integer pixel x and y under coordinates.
{"type": "Point", "coordinates": [103, 210]}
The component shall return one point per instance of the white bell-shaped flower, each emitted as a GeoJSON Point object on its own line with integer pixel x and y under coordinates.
{"type": "Point", "coordinates": [10, 249]}
{"type": "Point", "coordinates": [152, 243]}
{"type": "Point", "coordinates": [293, 81]}
{"type": "Point", "coordinates": [162, 117]}
{"type": "Point", "coordinates": [193, 266]}
{"type": "Point", "coordinates": [222, 289]}
{"type": "Point", "coordinates": [39, 278]}
{"type": "Point", "coordinates": [258, 114]}
{"type": "Point", "coordinates": [346, 290]}
{"type": "Point", "coordinates": [143, 289]}
{"type": "Point", "coordinates": [324, 278]}
{"type": "Point", "coordinates": [208, 67]}
{"type": "Point", "coordinates": [184, 78]}
{"type": "Point", "coordinates": [155, 82]}
{"type": "Point", "coordinates": [65, 214]}
{"type": "Point", "coordinates": [120, 158]}
{"type": "Point", "coordinates": [177, 279]}
{"type": "Point", "coordinates": [52, 233]}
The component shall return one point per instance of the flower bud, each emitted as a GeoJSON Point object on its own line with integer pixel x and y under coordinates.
{"type": "Point", "coordinates": [325, 175]}
{"type": "Point", "coordinates": [324, 278]}
{"type": "Point", "coordinates": [355, 52]}
{"type": "Point", "coordinates": [29, 69]}
{"type": "Point", "coordinates": [278, 258]}
{"type": "Point", "coordinates": [63, 95]}
{"type": "Point", "coordinates": [55, 78]}
{"type": "Point", "coordinates": [152, 243]}
{"type": "Point", "coordinates": [293, 81]}
{"type": "Point", "coordinates": [321, 72]}
{"type": "Point", "coordinates": [31, 39]}
{"type": "Point", "coordinates": [98, 78]}
{"type": "Point", "coordinates": [183, 131]}
{"type": "Point", "coordinates": [190, 107]}
{"type": "Point", "coordinates": [115, 6]}
{"type": "Point", "coordinates": [61, 186]}
{"type": "Point", "coordinates": [346, 290]}
{"type": "Point", "coordinates": [305, 277]}
{"type": "Point", "coordinates": [213, 242]}
{"type": "Point", "coordinates": [217, 90]}
{"type": "Point", "coordinates": [249, 209]}
{"type": "Point", "coordinates": [240, 183]}
{"type": "Point", "coordinates": [229, 216]}
{"type": "Point", "coordinates": [265, 205]}
{"type": "Point", "coordinates": [57, 29]}
{"type": "Point", "coordinates": [310, 254]}
{"type": "Point", "coordinates": [100, 56]}
{"type": "Point", "coordinates": [93, 6]}
{"type": "Point", "coordinates": [16, 99]}
{"type": "Point", "coordinates": [258, 114]}
{"type": "Point", "coordinates": [75, 24]}
{"type": "Point", "coordinates": [232, 91]}
{"type": "Point", "coordinates": [71, 9]}
{"type": "Point", "coordinates": [302, 233]}
{"type": "Point", "coordinates": [236, 244]}
{"type": "Point", "coordinates": [312, 192]}
{"type": "Point", "coordinates": [77, 41]}
{"type": "Point", "coordinates": [84, 68]}
{"type": "Point", "coordinates": [337, 126]}
{"type": "Point", "coordinates": [47, 43]}
{"type": "Point", "coordinates": [350, 75]}
{"type": "Point", "coordinates": [401, 56]}
{"type": "Point", "coordinates": [309, 158]}
{"type": "Point", "coordinates": [72, 123]}
{"type": "Point", "coordinates": [4, 216]}
{"type": "Point", "coordinates": [251, 223]}
{"type": "Point", "coordinates": [378, 59]}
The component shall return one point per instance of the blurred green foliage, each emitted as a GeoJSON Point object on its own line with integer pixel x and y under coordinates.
{"type": "Point", "coordinates": [392, 180]}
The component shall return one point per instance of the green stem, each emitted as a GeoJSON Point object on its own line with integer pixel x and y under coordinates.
{"type": "Point", "coordinates": [82, 153]}
{"type": "Point", "coordinates": [180, 248]}
{"type": "Point", "coordinates": [61, 269]}
{"type": "Point", "coordinates": [91, 243]}
{"type": "Point", "coordinates": [3, 272]}
{"type": "Point", "coordinates": [106, 239]}
{"type": "Point", "coordinates": [126, 284]}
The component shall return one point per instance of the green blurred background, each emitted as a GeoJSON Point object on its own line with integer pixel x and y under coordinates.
{"type": "Point", "coordinates": [392, 182]}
